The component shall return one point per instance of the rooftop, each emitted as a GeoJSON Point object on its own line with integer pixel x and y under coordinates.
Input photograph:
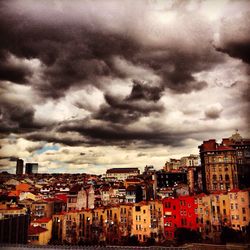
{"type": "Point", "coordinates": [122, 170]}
{"type": "Point", "coordinates": [36, 230]}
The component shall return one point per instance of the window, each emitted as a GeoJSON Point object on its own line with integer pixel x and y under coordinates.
{"type": "Point", "coordinates": [243, 210]}
{"type": "Point", "coordinates": [167, 205]}
{"type": "Point", "coordinates": [137, 208]}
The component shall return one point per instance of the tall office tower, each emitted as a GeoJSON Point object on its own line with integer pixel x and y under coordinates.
{"type": "Point", "coordinates": [219, 166]}
{"type": "Point", "coordinates": [31, 168]}
{"type": "Point", "coordinates": [19, 167]}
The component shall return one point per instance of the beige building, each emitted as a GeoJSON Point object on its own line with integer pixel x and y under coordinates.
{"type": "Point", "coordinates": [42, 208]}
{"type": "Point", "coordinates": [122, 173]}
{"type": "Point", "coordinates": [190, 161]}
{"type": "Point", "coordinates": [239, 207]}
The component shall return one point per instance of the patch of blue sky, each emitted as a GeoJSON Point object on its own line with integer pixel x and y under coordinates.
{"type": "Point", "coordinates": [47, 148]}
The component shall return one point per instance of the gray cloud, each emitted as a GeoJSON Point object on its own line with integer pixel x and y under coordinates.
{"type": "Point", "coordinates": [213, 112]}
{"type": "Point", "coordinates": [77, 46]}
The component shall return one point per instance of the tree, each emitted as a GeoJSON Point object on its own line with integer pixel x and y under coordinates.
{"type": "Point", "coordinates": [133, 241]}
{"type": "Point", "coordinates": [150, 241]}
{"type": "Point", "coordinates": [184, 235]}
{"type": "Point", "coordinates": [230, 235]}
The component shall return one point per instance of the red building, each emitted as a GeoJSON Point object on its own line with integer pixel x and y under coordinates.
{"type": "Point", "coordinates": [179, 212]}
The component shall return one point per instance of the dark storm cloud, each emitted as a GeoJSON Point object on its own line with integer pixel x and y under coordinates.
{"type": "Point", "coordinates": [141, 102]}
{"type": "Point", "coordinates": [10, 71]}
{"type": "Point", "coordinates": [119, 134]}
{"type": "Point", "coordinates": [234, 37]}
{"type": "Point", "coordinates": [76, 54]}
{"type": "Point", "coordinates": [239, 50]}
{"type": "Point", "coordinates": [146, 92]}
{"type": "Point", "coordinates": [10, 158]}
{"type": "Point", "coordinates": [17, 117]}
{"type": "Point", "coordinates": [234, 40]}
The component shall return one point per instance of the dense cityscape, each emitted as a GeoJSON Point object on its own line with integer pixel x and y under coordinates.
{"type": "Point", "coordinates": [198, 198]}
{"type": "Point", "coordinates": [125, 124]}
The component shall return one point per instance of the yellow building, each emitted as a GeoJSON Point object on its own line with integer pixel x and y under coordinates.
{"type": "Point", "coordinates": [7, 210]}
{"type": "Point", "coordinates": [70, 227]}
{"type": "Point", "coordinates": [38, 235]}
{"type": "Point", "coordinates": [239, 208]}
{"type": "Point", "coordinates": [203, 213]}
{"type": "Point", "coordinates": [85, 225]}
{"type": "Point", "coordinates": [125, 219]}
{"type": "Point", "coordinates": [220, 212]}
{"type": "Point", "coordinates": [111, 224]}
{"type": "Point", "coordinates": [147, 220]}
{"type": "Point", "coordinates": [44, 223]}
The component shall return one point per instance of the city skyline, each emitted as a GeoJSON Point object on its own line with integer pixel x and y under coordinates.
{"type": "Point", "coordinates": [91, 85]}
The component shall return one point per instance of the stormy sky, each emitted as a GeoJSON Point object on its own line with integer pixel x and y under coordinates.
{"type": "Point", "coordinates": [89, 85]}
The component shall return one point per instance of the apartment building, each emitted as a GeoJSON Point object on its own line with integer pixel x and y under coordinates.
{"type": "Point", "coordinates": [147, 220]}
{"type": "Point", "coordinates": [219, 166]}
{"type": "Point", "coordinates": [239, 208]}
{"type": "Point", "coordinates": [179, 212]}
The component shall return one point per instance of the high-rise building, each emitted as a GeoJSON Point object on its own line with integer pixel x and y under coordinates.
{"type": "Point", "coordinates": [242, 147]}
{"type": "Point", "coordinates": [219, 166]}
{"type": "Point", "coordinates": [31, 168]}
{"type": "Point", "coordinates": [19, 167]}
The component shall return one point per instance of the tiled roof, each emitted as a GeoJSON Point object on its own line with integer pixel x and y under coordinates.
{"type": "Point", "coordinates": [23, 187]}
{"type": "Point", "coordinates": [235, 190]}
{"type": "Point", "coordinates": [36, 230]}
{"type": "Point", "coordinates": [122, 170]}
{"type": "Point", "coordinates": [41, 220]}
{"type": "Point", "coordinates": [14, 193]}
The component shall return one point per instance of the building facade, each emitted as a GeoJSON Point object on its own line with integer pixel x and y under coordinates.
{"type": "Point", "coordinates": [122, 173]}
{"type": "Point", "coordinates": [219, 166]}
